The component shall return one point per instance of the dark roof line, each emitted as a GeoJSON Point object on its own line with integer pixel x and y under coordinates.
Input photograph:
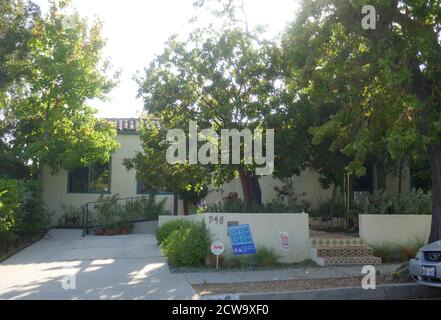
{"type": "Point", "coordinates": [129, 125]}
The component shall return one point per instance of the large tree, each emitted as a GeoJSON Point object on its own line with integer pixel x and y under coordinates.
{"type": "Point", "coordinates": [386, 81]}
{"type": "Point", "coordinates": [156, 173]}
{"type": "Point", "coordinates": [46, 119]}
{"type": "Point", "coordinates": [222, 80]}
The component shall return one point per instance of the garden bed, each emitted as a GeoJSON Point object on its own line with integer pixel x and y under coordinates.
{"type": "Point", "coordinates": [8, 249]}
{"type": "Point", "coordinates": [304, 264]}
{"type": "Point", "coordinates": [206, 289]}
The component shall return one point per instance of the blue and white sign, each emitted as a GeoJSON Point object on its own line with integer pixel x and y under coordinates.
{"type": "Point", "coordinates": [241, 239]}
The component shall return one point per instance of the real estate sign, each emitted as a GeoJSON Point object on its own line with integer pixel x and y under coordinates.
{"type": "Point", "coordinates": [241, 239]}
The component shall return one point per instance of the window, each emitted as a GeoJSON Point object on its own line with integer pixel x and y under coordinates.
{"type": "Point", "coordinates": [92, 179]}
{"type": "Point", "coordinates": [142, 188]}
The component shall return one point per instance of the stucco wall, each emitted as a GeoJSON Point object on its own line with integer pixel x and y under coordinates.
{"type": "Point", "coordinates": [307, 182]}
{"type": "Point", "coordinates": [377, 229]}
{"type": "Point", "coordinates": [123, 182]}
{"type": "Point", "coordinates": [265, 228]}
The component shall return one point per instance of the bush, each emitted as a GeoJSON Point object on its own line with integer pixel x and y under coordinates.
{"type": "Point", "coordinates": [239, 206]}
{"type": "Point", "coordinates": [165, 230]}
{"type": "Point", "coordinates": [391, 253]}
{"type": "Point", "coordinates": [109, 211]}
{"type": "Point", "coordinates": [187, 246]}
{"type": "Point", "coordinates": [11, 205]}
{"type": "Point", "coordinates": [71, 217]}
{"type": "Point", "coordinates": [413, 202]}
{"type": "Point", "coordinates": [324, 208]}
{"type": "Point", "coordinates": [21, 209]}
{"type": "Point", "coordinates": [34, 216]}
{"type": "Point", "coordinates": [145, 208]}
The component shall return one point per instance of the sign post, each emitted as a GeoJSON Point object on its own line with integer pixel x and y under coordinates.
{"type": "Point", "coordinates": [217, 248]}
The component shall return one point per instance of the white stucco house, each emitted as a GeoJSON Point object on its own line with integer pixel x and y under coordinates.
{"type": "Point", "coordinates": [82, 185]}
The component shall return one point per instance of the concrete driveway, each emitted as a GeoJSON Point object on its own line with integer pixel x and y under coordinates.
{"type": "Point", "coordinates": [66, 266]}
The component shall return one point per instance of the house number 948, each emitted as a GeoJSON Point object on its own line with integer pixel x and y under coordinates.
{"type": "Point", "coordinates": [216, 219]}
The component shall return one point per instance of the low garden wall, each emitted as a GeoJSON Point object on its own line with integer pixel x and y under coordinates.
{"type": "Point", "coordinates": [400, 229]}
{"type": "Point", "coordinates": [266, 229]}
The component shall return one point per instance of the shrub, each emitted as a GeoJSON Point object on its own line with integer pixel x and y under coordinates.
{"type": "Point", "coordinates": [145, 208]}
{"type": "Point", "coordinates": [239, 206]}
{"type": "Point", "coordinates": [108, 212]}
{"type": "Point", "coordinates": [71, 217]}
{"type": "Point", "coordinates": [390, 253]}
{"type": "Point", "coordinates": [324, 208]}
{"type": "Point", "coordinates": [187, 246]}
{"type": "Point", "coordinates": [21, 209]}
{"type": "Point", "coordinates": [264, 258]}
{"type": "Point", "coordinates": [374, 203]}
{"type": "Point", "coordinates": [34, 215]}
{"type": "Point", "coordinates": [11, 205]}
{"type": "Point", "coordinates": [413, 202]}
{"type": "Point", "coordinates": [165, 230]}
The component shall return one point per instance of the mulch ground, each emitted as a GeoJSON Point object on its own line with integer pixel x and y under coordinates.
{"type": "Point", "coordinates": [279, 285]}
{"type": "Point", "coordinates": [12, 247]}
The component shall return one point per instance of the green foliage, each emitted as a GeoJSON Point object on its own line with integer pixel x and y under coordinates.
{"type": "Point", "coordinates": [21, 209]}
{"type": "Point", "coordinates": [17, 18]}
{"type": "Point", "coordinates": [45, 115]}
{"type": "Point", "coordinates": [413, 202]}
{"type": "Point", "coordinates": [165, 230]}
{"type": "Point", "coordinates": [144, 209]}
{"type": "Point", "coordinates": [375, 203]}
{"type": "Point", "coordinates": [264, 258]}
{"type": "Point", "coordinates": [239, 206]}
{"type": "Point", "coordinates": [392, 253]}
{"type": "Point", "coordinates": [153, 169]}
{"type": "Point", "coordinates": [188, 246]}
{"type": "Point", "coordinates": [287, 201]}
{"type": "Point", "coordinates": [11, 202]}
{"type": "Point", "coordinates": [108, 211]}
{"type": "Point", "coordinates": [222, 80]}
{"type": "Point", "coordinates": [71, 216]}
{"type": "Point", "coordinates": [324, 208]}
{"type": "Point", "coordinates": [111, 212]}
{"type": "Point", "coordinates": [35, 218]}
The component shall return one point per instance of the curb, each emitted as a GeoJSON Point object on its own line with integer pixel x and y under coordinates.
{"type": "Point", "coordinates": [382, 292]}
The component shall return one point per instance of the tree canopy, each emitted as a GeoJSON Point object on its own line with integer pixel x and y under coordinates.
{"type": "Point", "coordinates": [222, 80]}
{"type": "Point", "coordinates": [385, 82]}
{"type": "Point", "coordinates": [46, 119]}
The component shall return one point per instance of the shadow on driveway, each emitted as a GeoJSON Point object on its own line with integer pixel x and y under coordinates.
{"type": "Point", "coordinates": [65, 266]}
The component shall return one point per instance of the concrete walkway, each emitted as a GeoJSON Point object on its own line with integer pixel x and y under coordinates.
{"type": "Point", "coordinates": [283, 274]}
{"type": "Point", "coordinates": [120, 267]}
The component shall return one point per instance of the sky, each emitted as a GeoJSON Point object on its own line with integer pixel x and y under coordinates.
{"type": "Point", "coordinates": [136, 31]}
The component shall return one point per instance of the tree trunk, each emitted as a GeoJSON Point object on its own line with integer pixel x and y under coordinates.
{"type": "Point", "coordinates": [245, 185]}
{"type": "Point", "coordinates": [435, 161]}
{"type": "Point", "coordinates": [400, 177]}
{"type": "Point", "coordinates": [187, 207]}
{"type": "Point", "coordinates": [175, 203]}
{"type": "Point", "coordinates": [333, 200]}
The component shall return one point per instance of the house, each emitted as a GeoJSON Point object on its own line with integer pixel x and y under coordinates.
{"type": "Point", "coordinates": [77, 187]}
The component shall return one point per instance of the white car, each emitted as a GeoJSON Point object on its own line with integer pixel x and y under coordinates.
{"type": "Point", "coordinates": [426, 267]}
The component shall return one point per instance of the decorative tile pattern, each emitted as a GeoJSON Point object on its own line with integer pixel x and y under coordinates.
{"type": "Point", "coordinates": [344, 251]}
{"type": "Point", "coordinates": [344, 242]}
{"type": "Point", "coordinates": [358, 261]}
{"type": "Point", "coordinates": [338, 250]}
